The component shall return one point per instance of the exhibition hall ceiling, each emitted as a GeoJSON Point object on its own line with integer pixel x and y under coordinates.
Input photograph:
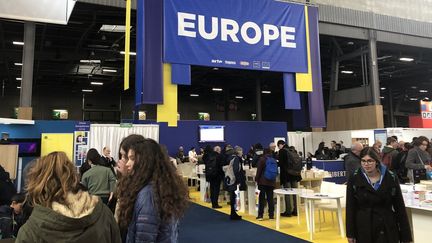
{"type": "Point", "coordinates": [86, 54]}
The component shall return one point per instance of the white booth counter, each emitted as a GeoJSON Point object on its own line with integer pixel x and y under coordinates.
{"type": "Point", "coordinates": [418, 203]}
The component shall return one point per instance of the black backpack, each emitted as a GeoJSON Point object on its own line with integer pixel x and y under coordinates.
{"type": "Point", "coordinates": [295, 164]}
{"type": "Point", "coordinates": [6, 228]}
{"type": "Point", "coordinates": [211, 166]}
{"type": "Point", "coordinates": [399, 166]}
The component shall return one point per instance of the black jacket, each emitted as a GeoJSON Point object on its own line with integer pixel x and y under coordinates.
{"type": "Point", "coordinates": [207, 157]}
{"type": "Point", "coordinates": [376, 216]}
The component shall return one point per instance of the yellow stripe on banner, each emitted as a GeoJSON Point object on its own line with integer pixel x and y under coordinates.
{"type": "Point", "coordinates": [304, 80]}
{"type": "Point", "coordinates": [127, 45]}
{"type": "Point", "coordinates": [167, 112]}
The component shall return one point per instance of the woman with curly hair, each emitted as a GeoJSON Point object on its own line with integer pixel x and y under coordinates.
{"type": "Point", "coordinates": [152, 195]}
{"type": "Point", "coordinates": [63, 212]}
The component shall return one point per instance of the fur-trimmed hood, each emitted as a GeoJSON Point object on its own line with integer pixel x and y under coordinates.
{"type": "Point", "coordinates": [82, 218]}
{"type": "Point", "coordinates": [77, 205]}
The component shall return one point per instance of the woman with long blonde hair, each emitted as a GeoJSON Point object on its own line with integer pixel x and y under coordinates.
{"type": "Point", "coordinates": [63, 211]}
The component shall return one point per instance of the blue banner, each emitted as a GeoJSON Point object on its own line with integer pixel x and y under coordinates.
{"type": "Point", "coordinates": [245, 34]}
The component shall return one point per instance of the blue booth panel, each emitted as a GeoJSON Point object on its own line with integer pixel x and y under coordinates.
{"type": "Point", "coordinates": [336, 169]}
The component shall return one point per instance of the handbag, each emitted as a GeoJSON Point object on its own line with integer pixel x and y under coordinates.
{"type": "Point", "coordinates": [419, 174]}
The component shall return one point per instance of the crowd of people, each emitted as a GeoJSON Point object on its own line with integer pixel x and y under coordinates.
{"type": "Point", "coordinates": [138, 199]}
{"type": "Point", "coordinates": [141, 197]}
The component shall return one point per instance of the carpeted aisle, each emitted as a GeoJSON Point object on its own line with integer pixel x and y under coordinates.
{"type": "Point", "coordinates": [204, 225]}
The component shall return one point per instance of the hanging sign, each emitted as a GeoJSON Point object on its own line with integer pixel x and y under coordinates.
{"type": "Point", "coordinates": [236, 34]}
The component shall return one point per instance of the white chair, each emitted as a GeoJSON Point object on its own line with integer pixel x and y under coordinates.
{"type": "Point", "coordinates": [332, 205]}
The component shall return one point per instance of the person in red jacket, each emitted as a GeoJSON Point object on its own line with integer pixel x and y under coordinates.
{"type": "Point", "coordinates": [265, 186]}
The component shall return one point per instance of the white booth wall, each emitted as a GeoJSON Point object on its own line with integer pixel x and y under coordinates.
{"type": "Point", "coordinates": [312, 139]}
{"type": "Point", "coordinates": [111, 135]}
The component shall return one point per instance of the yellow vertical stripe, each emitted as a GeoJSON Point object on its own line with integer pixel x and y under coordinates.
{"type": "Point", "coordinates": [167, 112]}
{"type": "Point", "coordinates": [127, 45]}
{"type": "Point", "coordinates": [304, 80]}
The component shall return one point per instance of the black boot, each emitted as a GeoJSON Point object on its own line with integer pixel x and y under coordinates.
{"type": "Point", "coordinates": [235, 216]}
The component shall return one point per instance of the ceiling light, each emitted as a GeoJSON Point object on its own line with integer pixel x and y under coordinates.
{"type": "Point", "coordinates": [130, 53]}
{"type": "Point", "coordinates": [96, 83]}
{"type": "Point", "coordinates": [217, 89]}
{"type": "Point", "coordinates": [266, 92]}
{"type": "Point", "coordinates": [383, 88]}
{"type": "Point", "coordinates": [18, 87]}
{"type": "Point", "coordinates": [109, 70]}
{"type": "Point", "coordinates": [381, 97]}
{"type": "Point", "coordinates": [90, 61]}
{"type": "Point", "coordinates": [347, 72]}
{"type": "Point", "coordinates": [18, 43]}
{"type": "Point", "coordinates": [350, 43]}
{"type": "Point", "coordinates": [406, 59]}
{"type": "Point", "coordinates": [18, 79]}
{"type": "Point", "coordinates": [413, 99]}
{"type": "Point", "coordinates": [87, 90]}
{"type": "Point", "coordinates": [413, 87]}
{"type": "Point", "coordinates": [113, 28]}
{"type": "Point", "coordinates": [383, 57]}
{"type": "Point", "coordinates": [194, 95]}
{"type": "Point", "coordinates": [239, 97]}
{"type": "Point", "coordinates": [18, 64]}
{"type": "Point", "coordinates": [215, 68]}
{"type": "Point", "coordinates": [423, 91]}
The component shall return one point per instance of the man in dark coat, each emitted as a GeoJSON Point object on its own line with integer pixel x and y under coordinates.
{"type": "Point", "coordinates": [287, 180]}
{"type": "Point", "coordinates": [352, 159]}
{"type": "Point", "coordinates": [214, 173]}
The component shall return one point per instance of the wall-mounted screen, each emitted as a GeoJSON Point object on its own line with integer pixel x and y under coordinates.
{"type": "Point", "coordinates": [211, 133]}
{"type": "Point", "coordinates": [27, 147]}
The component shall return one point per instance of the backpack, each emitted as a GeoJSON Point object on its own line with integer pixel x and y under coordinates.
{"type": "Point", "coordinates": [6, 229]}
{"type": "Point", "coordinates": [294, 163]}
{"type": "Point", "coordinates": [271, 169]}
{"type": "Point", "coordinates": [211, 166]}
{"type": "Point", "coordinates": [399, 166]}
{"type": "Point", "coordinates": [230, 178]}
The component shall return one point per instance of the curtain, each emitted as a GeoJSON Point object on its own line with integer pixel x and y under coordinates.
{"type": "Point", "coordinates": [110, 135]}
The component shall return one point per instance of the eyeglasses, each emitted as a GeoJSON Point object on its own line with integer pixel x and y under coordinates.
{"type": "Point", "coordinates": [369, 161]}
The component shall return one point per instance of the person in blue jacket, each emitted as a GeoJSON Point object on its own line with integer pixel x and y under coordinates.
{"type": "Point", "coordinates": [152, 195]}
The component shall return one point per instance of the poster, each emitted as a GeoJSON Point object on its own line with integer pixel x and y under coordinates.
{"type": "Point", "coordinates": [380, 135]}
{"type": "Point", "coordinates": [81, 142]}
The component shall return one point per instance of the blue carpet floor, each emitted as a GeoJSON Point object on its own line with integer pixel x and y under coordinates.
{"type": "Point", "coordinates": [204, 225]}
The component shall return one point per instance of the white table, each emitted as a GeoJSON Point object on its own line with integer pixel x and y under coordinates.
{"type": "Point", "coordinates": [420, 218]}
{"type": "Point", "coordinates": [288, 191]}
{"type": "Point", "coordinates": [283, 192]}
{"type": "Point", "coordinates": [309, 203]}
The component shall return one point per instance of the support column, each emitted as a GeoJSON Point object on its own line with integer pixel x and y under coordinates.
{"type": "Point", "coordinates": [25, 109]}
{"type": "Point", "coordinates": [258, 99]}
{"type": "Point", "coordinates": [373, 68]}
{"type": "Point", "coordinates": [390, 112]}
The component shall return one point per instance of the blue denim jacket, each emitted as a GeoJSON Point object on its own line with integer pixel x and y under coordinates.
{"type": "Point", "coordinates": [146, 225]}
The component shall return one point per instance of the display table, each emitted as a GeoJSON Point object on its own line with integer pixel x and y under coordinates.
{"type": "Point", "coordinates": [420, 219]}
{"type": "Point", "coordinates": [310, 209]}
{"type": "Point", "coordinates": [279, 193]}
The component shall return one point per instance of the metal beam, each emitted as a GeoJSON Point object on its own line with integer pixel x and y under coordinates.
{"type": "Point", "coordinates": [373, 69]}
{"type": "Point", "coordinates": [342, 31]}
{"type": "Point", "coordinates": [28, 62]}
